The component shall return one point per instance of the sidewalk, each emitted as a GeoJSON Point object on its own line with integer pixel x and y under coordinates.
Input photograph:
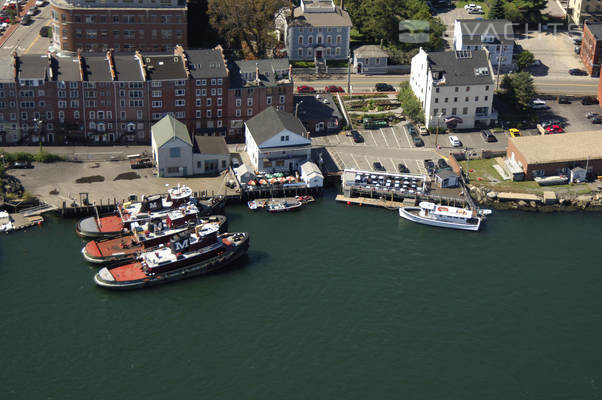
{"type": "Point", "coordinates": [7, 34]}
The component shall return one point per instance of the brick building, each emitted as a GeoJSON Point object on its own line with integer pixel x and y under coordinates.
{"type": "Point", "coordinates": [254, 86]}
{"type": "Point", "coordinates": [591, 46]}
{"type": "Point", "coordinates": [549, 155]}
{"type": "Point", "coordinates": [126, 25]}
{"type": "Point", "coordinates": [116, 97]}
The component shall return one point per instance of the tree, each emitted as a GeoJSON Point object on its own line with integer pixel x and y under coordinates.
{"type": "Point", "coordinates": [246, 25]}
{"type": "Point", "coordinates": [497, 10]}
{"type": "Point", "coordinates": [525, 58]}
{"type": "Point", "coordinates": [520, 88]}
{"type": "Point", "coordinates": [409, 103]}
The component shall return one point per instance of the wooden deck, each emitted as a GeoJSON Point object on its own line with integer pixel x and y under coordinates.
{"type": "Point", "coordinates": [361, 201]}
{"type": "Point", "coordinates": [20, 221]}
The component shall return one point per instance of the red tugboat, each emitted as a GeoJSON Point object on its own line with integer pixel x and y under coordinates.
{"type": "Point", "coordinates": [185, 256]}
{"type": "Point", "coordinates": [150, 208]}
{"type": "Point", "coordinates": [146, 236]}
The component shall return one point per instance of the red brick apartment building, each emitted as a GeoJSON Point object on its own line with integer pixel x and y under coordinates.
{"type": "Point", "coordinates": [116, 97]}
{"type": "Point", "coordinates": [591, 46]}
{"type": "Point", "coordinates": [122, 25]}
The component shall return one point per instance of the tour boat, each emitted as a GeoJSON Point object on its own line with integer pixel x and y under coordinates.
{"type": "Point", "coordinates": [185, 255]}
{"type": "Point", "coordinates": [149, 208]}
{"type": "Point", "coordinates": [444, 216]}
{"type": "Point", "coordinates": [305, 199]}
{"type": "Point", "coordinates": [146, 235]}
{"type": "Point", "coordinates": [275, 206]}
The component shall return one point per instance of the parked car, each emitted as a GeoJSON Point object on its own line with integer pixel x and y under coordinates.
{"type": "Point", "coordinates": [32, 11]}
{"type": "Point", "coordinates": [422, 129]}
{"type": "Point", "coordinates": [384, 87]}
{"type": "Point", "coordinates": [597, 120]}
{"type": "Point", "coordinates": [44, 31]}
{"type": "Point", "coordinates": [40, 3]}
{"type": "Point", "coordinates": [488, 136]}
{"type": "Point", "coordinates": [305, 89]}
{"type": "Point", "coordinates": [140, 162]}
{"type": "Point", "coordinates": [334, 89]}
{"type": "Point", "coordinates": [417, 141]}
{"type": "Point", "coordinates": [442, 164]}
{"type": "Point", "coordinates": [357, 137]}
{"type": "Point", "coordinates": [564, 100]}
{"type": "Point", "coordinates": [514, 132]}
{"type": "Point", "coordinates": [377, 166]}
{"type": "Point", "coordinates": [25, 20]}
{"type": "Point", "coordinates": [577, 71]}
{"type": "Point", "coordinates": [429, 165]}
{"type": "Point", "coordinates": [589, 100]}
{"type": "Point", "coordinates": [591, 115]}
{"type": "Point", "coordinates": [538, 104]}
{"type": "Point", "coordinates": [453, 139]}
{"type": "Point", "coordinates": [402, 169]}
{"type": "Point", "coordinates": [550, 122]}
{"type": "Point", "coordinates": [21, 165]}
{"type": "Point", "coordinates": [577, 49]}
{"type": "Point", "coordinates": [476, 11]}
{"type": "Point", "coordinates": [554, 129]}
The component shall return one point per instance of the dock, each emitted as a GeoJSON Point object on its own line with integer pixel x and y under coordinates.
{"type": "Point", "coordinates": [21, 221]}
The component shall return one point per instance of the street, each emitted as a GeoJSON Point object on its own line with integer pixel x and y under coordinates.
{"type": "Point", "coordinates": [26, 39]}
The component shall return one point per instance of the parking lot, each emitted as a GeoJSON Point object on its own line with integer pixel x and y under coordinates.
{"type": "Point", "coordinates": [26, 39]}
{"type": "Point", "coordinates": [392, 146]}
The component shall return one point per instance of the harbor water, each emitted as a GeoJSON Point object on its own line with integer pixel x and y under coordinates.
{"type": "Point", "coordinates": [333, 302]}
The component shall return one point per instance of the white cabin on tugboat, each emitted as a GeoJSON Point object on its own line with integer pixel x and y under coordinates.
{"type": "Point", "coordinates": [428, 213]}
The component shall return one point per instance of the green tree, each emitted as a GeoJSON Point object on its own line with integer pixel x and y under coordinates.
{"type": "Point", "coordinates": [246, 25]}
{"type": "Point", "coordinates": [524, 59]}
{"type": "Point", "coordinates": [497, 10]}
{"type": "Point", "coordinates": [520, 88]}
{"type": "Point", "coordinates": [410, 104]}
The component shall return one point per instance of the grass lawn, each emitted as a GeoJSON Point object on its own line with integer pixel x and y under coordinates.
{"type": "Point", "coordinates": [489, 177]}
{"type": "Point", "coordinates": [484, 5]}
{"type": "Point", "coordinates": [303, 64]}
{"type": "Point", "coordinates": [356, 37]}
{"type": "Point", "coordinates": [337, 63]}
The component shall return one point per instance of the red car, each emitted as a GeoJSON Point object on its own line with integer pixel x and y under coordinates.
{"type": "Point", "coordinates": [554, 129]}
{"type": "Point", "coordinates": [305, 89]}
{"type": "Point", "coordinates": [334, 89]}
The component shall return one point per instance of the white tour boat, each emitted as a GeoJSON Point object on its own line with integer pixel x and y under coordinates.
{"type": "Point", "coordinates": [444, 216]}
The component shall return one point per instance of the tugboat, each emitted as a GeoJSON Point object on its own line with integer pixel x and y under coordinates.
{"type": "Point", "coordinates": [145, 236]}
{"type": "Point", "coordinates": [150, 208]}
{"type": "Point", "coordinates": [428, 213]}
{"type": "Point", "coordinates": [185, 256]}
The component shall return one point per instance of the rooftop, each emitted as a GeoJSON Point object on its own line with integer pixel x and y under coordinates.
{"type": "Point", "coordinates": [6, 69]}
{"type": "Point", "coordinates": [164, 67]}
{"type": "Point", "coordinates": [67, 69]}
{"type": "Point", "coordinates": [127, 68]}
{"type": "Point", "coordinates": [167, 128]}
{"type": "Point", "coordinates": [115, 4]}
{"type": "Point", "coordinates": [270, 122]}
{"type": "Point", "coordinates": [272, 72]}
{"type": "Point", "coordinates": [370, 51]}
{"type": "Point", "coordinates": [207, 63]}
{"type": "Point", "coordinates": [595, 29]}
{"type": "Point", "coordinates": [211, 144]}
{"type": "Point", "coordinates": [32, 66]}
{"type": "Point", "coordinates": [575, 146]}
{"type": "Point", "coordinates": [473, 29]}
{"type": "Point", "coordinates": [97, 69]}
{"type": "Point", "coordinates": [314, 108]}
{"type": "Point", "coordinates": [327, 18]}
{"type": "Point", "coordinates": [461, 67]}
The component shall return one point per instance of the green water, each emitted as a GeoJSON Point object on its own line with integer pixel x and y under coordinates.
{"type": "Point", "coordinates": [335, 302]}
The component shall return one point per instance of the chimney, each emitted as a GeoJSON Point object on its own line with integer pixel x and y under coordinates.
{"type": "Point", "coordinates": [138, 55]}
{"type": "Point", "coordinates": [80, 61]}
{"type": "Point", "coordinates": [50, 70]}
{"type": "Point", "coordinates": [221, 52]}
{"type": "Point", "coordinates": [111, 64]}
{"type": "Point", "coordinates": [15, 64]}
{"type": "Point", "coordinates": [257, 72]}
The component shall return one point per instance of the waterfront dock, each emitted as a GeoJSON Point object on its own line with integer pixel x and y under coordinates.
{"type": "Point", "coordinates": [21, 221]}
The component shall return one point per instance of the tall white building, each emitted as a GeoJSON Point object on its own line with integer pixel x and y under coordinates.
{"type": "Point", "coordinates": [455, 88]}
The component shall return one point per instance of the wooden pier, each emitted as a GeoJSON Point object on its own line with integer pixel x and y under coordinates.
{"type": "Point", "coordinates": [21, 221]}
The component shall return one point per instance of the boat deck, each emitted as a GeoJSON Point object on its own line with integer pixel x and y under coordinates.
{"type": "Point", "coordinates": [124, 245]}
{"type": "Point", "coordinates": [128, 272]}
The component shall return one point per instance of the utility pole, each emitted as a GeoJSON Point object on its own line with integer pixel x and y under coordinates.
{"type": "Point", "coordinates": [497, 77]}
{"type": "Point", "coordinates": [349, 76]}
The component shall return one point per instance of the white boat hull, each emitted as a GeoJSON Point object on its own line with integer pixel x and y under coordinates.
{"type": "Point", "coordinates": [404, 212]}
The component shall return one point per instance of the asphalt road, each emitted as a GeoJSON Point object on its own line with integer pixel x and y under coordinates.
{"type": "Point", "coordinates": [26, 39]}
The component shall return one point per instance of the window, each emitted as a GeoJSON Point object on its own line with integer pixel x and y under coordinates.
{"type": "Point", "coordinates": [446, 99]}
{"type": "Point", "coordinates": [76, 114]}
{"type": "Point", "coordinates": [487, 87]}
{"type": "Point", "coordinates": [454, 111]}
{"type": "Point", "coordinates": [436, 90]}
{"type": "Point", "coordinates": [465, 110]}
{"type": "Point", "coordinates": [337, 51]}
{"type": "Point", "coordinates": [92, 115]}
{"type": "Point", "coordinates": [180, 92]}
{"type": "Point", "coordinates": [203, 92]}
{"type": "Point", "coordinates": [220, 82]}
{"type": "Point", "coordinates": [249, 112]}
{"type": "Point", "coordinates": [180, 114]}
{"type": "Point", "coordinates": [486, 97]}
{"type": "Point", "coordinates": [284, 138]}
{"type": "Point", "coordinates": [219, 112]}
{"type": "Point", "coordinates": [208, 101]}
{"type": "Point", "coordinates": [282, 99]}
{"type": "Point", "coordinates": [204, 82]}
{"type": "Point", "coordinates": [198, 113]}
{"type": "Point", "coordinates": [219, 123]}
{"type": "Point", "coordinates": [250, 102]}
{"type": "Point", "coordinates": [238, 113]}
{"type": "Point", "coordinates": [157, 104]}
{"type": "Point", "coordinates": [310, 40]}
{"type": "Point", "coordinates": [219, 91]}
{"type": "Point", "coordinates": [436, 100]}
{"type": "Point", "coordinates": [300, 52]}
{"type": "Point", "coordinates": [213, 92]}
{"type": "Point", "coordinates": [269, 100]}
{"type": "Point", "coordinates": [456, 89]}
{"type": "Point", "coordinates": [435, 111]}
{"type": "Point", "coordinates": [468, 88]}
{"type": "Point", "coordinates": [219, 101]}
{"type": "Point", "coordinates": [156, 83]}
{"type": "Point", "coordinates": [208, 113]}
{"type": "Point", "coordinates": [180, 103]}
{"type": "Point", "coordinates": [455, 99]}
{"type": "Point", "coordinates": [157, 93]}
{"type": "Point", "coordinates": [198, 102]}
{"type": "Point", "coordinates": [339, 39]}
{"type": "Point", "coordinates": [476, 98]}
{"type": "Point", "coordinates": [174, 152]}
{"type": "Point", "coordinates": [466, 98]}
{"type": "Point", "coordinates": [213, 82]}
{"type": "Point", "coordinates": [300, 39]}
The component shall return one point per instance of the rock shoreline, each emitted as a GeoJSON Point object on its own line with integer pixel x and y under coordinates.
{"type": "Point", "coordinates": [548, 203]}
